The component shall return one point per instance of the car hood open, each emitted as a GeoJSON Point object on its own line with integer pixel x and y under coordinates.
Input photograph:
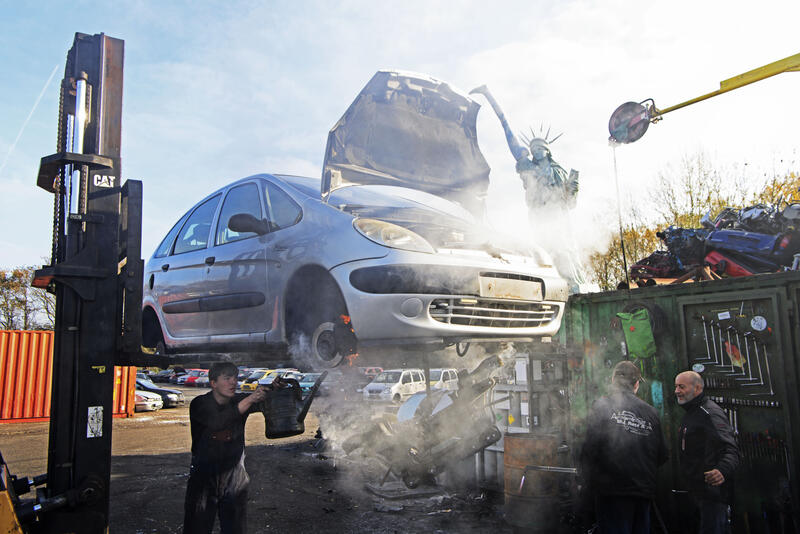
{"type": "Point", "coordinates": [409, 130]}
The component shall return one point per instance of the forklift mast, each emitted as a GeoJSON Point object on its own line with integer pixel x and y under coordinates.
{"type": "Point", "coordinates": [96, 275]}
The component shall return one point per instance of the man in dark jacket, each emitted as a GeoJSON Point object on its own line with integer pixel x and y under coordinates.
{"type": "Point", "coordinates": [624, 447]}
{"type": "Point", "coordinates": [708, 453]}
{"type": "Point", "coordinates": [217, 478]}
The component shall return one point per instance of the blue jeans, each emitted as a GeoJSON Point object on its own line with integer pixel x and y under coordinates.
{"type": "Point", "coordinates": [622, 515]}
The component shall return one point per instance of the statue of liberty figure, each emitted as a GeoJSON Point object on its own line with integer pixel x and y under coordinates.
{"type": "Point", "coordinates": [546, 183]}
{"type": "Point", "coordinates": [549, 193]}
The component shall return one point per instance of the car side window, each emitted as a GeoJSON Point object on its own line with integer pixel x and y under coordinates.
{"type": "Point", "coordinates": [420, 377]}
{"type": "Point", "coordinates": [166, 245]}
{"type": "Point", "coordinates": [282, 211]}
{"type": "Point", "coordinates": [240, 199]}
{"type": "Point", "coordinates": [406, 378]}
{"type": "Point", "coordinates": [194, 234]}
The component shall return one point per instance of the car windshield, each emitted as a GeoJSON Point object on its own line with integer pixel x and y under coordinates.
{"type": "Point", "coordinates": [436, 374]}
{"type": "Point", "coordinates": [146, 383]}
{"type": "Point", "coordinates": [387, 377]}
{"type": "Point", "coordinates": [194, 373]}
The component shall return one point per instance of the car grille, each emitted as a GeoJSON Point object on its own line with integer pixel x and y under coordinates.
{"type": "Point", "coordinates": [492, 313]}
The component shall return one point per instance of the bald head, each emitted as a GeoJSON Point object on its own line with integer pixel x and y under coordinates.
{"type": "Point", "coordinates": [688, 385]}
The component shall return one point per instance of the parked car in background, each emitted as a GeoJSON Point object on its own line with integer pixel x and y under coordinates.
{"type": "Point", "coordinates": [147, 401]}
{"type": "Point", "coordinates": [371, 372]}
{"type": "Point", "coordinates": [251, 382]}
{"type": "Point", "coordinates": [175, 378]}
{"type": "Point", "coordinates": [387, 248]}
{"type": "Point", "coordinates": [162, 376]}
{"type": "Point", "coordinates": [283, 373]}
{"type": "Point", "coordinates": [244, 372]}
{"type": "Point", "coordinates": [446, 379]}
{"type": "Point", "coordinates": [202, 380]}
{"type": "Point", "coordinates": [395, 385]}
{"type": "Point", "coordinates": [189, 374]}
{"type": "Point", "coordinates": [307, 381]}
{"type": "Point", "coordinates": [170, 397]}
{"type": "Point", "coordinates": [192, 376]}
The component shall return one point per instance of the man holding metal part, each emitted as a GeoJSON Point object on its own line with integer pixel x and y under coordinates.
{"type": "Point", "coordinates": [217, 479]}
{"type": "Point", "coordinates": [620, 457]}
{"type": "Point", "coordinates": [708, 454]}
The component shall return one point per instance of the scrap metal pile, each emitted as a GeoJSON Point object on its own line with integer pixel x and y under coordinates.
{"type": "Point", "coordinates": [431, 434]}
{"type": "Point", "coordinates": [737, 242]}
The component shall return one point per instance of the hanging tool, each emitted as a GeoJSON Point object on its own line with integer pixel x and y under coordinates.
{"type": "Point", "coordinates": [730, 350]}
{"type": "Point", "coordinates": [630, 121]}
{"type": "Point", "coordinates": [766, 362]}
{"type": "Point", "coordinates": [723, 368]}
{"type": "Point", "coordinates": [755, 347]}
{"type": "Point", "coordinates": [708, 357]}
{"type": "Point", "coordinates": [747, 356]}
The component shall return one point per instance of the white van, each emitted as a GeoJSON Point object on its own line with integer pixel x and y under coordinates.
{"type": "Point", "coordinates": [395, 385]}
{"type": "Point", "coordinates": [446, 379]}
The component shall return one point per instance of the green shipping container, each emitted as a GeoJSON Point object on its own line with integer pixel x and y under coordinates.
{"type": "Point", "coordinates": [743, 335]}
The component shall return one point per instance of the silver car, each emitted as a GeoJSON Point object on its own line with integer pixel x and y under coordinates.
{"type": "Point", "coordinates": [322, 267]}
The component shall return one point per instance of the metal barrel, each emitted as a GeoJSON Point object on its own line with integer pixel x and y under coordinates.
{"type": "Point", "coordinates": [531, 495]}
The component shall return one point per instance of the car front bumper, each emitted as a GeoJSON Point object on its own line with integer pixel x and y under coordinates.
{"type": "Point", "coordinates": [418, 309]}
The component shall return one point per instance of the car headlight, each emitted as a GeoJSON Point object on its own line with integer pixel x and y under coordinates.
{"type": "Point", "coordinates": [172, 396]}
{"type": "Point", "coordinates": [392, 235]}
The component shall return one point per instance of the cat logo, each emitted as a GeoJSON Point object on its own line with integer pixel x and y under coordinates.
{"type": "Point", "coordinates": [102, 180]}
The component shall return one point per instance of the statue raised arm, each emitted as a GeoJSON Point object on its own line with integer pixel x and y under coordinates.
{"type": "Point", "coordinates": [546, 182]}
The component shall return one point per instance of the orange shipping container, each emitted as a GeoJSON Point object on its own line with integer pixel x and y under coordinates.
{"type": "Point", "coordinates": [26, 367]}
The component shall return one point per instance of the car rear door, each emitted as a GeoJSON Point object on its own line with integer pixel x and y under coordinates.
{"type": "Point", "coordinates": [181, 285]}
{"type": "Point", "coordinates": [237, 274]}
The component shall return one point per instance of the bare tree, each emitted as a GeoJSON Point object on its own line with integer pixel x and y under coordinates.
{"type": "Point", "coordinates": [683, 195]}
{"type": "Point", "coordinates": [21, 305]}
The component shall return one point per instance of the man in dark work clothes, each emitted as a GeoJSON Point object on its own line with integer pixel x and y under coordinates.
{"type": "Point", "coordinates": [620, 457]}
{"type": "Point", "coordinates": [217, 479]}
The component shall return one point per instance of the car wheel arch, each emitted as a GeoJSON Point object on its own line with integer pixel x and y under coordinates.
{"type": "Point", "coordinates": [152, 331]}
{"type": "Point", "coordinates": [305, 314]}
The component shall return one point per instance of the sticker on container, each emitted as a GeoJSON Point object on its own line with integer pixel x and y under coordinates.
{"type": "Point", "coordinates": [94, 423]}
{"type": "Point", "coordinates": [698, 368]}
{"type": "Point", "coordinates": [758, 323]}
{"type": "Point", "coordinates": [724, 315]}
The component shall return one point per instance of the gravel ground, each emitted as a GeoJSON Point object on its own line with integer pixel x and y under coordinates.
{"type": "Point", "coordinates": [297, 484]}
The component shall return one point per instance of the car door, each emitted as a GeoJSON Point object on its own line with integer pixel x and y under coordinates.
{"type": "Point", "coordinates": [181, 284]}
{"type": "Point", "coordinates": [237, 275]}
{"type": "Point", "coordinates": [406, 384]}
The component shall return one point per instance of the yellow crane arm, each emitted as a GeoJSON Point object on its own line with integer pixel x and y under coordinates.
{"type": "Point", "coordinates": [791, 63]}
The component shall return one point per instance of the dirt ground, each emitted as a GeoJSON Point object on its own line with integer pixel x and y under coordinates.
{"type": "Point", "coordinates": [297, 484]}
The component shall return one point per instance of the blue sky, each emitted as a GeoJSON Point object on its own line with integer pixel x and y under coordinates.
{"type": "Point", "coordinates": [215, 91]}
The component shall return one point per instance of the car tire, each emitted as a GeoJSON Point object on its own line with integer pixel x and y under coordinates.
{"type": "Point", "coordinates": [322, 345]}
{"type": "Point", "coordinates": [397, 399]}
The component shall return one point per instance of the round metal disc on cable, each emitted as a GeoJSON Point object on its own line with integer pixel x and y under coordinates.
{"type": "Point", "coordinates": [629, 122]}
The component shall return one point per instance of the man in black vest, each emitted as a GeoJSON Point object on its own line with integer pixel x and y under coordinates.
{"type": "Point", "coordinates": [619, 461]}
{"type": "Point", "coordinates": [217, 479]}
{"type": "Point", "coordinates": [708, 453]}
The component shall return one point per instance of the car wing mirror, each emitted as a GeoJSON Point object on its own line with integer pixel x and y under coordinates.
{"type": "Point", "coordinates": [244, 222]}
